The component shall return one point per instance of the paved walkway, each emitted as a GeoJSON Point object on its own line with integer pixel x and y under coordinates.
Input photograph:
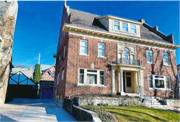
{"type": "Point", "coordinates": [33, 110]}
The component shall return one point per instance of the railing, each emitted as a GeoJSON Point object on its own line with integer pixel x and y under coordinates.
{"type": "Point", "coordinates": [127, 61]}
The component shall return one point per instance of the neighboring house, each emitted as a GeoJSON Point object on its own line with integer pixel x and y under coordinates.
{"type": "Point", "coordinates": [178, 69]}
{"type": "Point", "coordinates": [21, 84]}
{"type": "Point", "coordinates": [44, 68]}
{"type": "Point", "coordinates": [8, 14]}
{"type": "Point", "coordinates": [113, 55]}
{"type": "Point", "coordinates": [47, 83]}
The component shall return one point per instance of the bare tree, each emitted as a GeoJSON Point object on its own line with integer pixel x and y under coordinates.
{"type": "Point", "coordinates": [19, 65]}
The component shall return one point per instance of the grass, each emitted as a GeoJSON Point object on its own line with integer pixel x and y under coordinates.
{"type": "Point", "coordinates": [141, 114]}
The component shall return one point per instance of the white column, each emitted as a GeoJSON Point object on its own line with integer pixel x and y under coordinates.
{"type": "Point", "coordinates": [122, 89]}
{"type": "Point", "coordinates": [142, 78]}
{"type": "Point", "coordinates": [138, 80]}
{"type": "Point", "coordinates": [113, 80]}
{"type": "Point", "coordinates": [119, 81]}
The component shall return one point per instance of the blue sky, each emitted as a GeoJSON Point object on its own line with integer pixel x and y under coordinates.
{"type": "Point", "coordinates": [38, 23]}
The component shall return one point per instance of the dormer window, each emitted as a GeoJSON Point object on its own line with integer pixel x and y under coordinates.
{"type": "Point", "coordinates": [116, 25]}
{"type": "Point", "coordinates": [133, 28]}
{"type": "Point", "coordinates": [125, 27]}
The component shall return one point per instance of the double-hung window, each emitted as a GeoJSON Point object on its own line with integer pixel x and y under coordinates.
{"type": "Point", "coordinates": [116, 25]}
{"type": "Point", "coordinates": [133, 28]}
{"type": "Point", "coordinates": [62, 75]}
{"type": "Point", "coordinates": [81, 76]}
{"type": "Point", "coordinates": [58, 78]}
{"type": "Point", "coordinates": [149, 56]}
{"type": "Point", "coordinates": [101, 49]}
{"type": "Point", "coordinates": [125, 27]}
{"type": "Point", "coordinates": [165, 59]}
{"type": "Point", "coordinates": [83, 47]}
{"type": "Point", "coordinates": [150, 78]}
{"type": "Point", "coordinates": [102, 77]}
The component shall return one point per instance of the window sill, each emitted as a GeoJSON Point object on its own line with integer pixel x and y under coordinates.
{"type": "Point", "coordinates": [83, 55]}
{"type": "Point", "coordinates": [163, 89]}
{"type": "Point", "coordinates": [166, 65]}
{"type": "Point", "coordinates": [101, 57]}
{"type": "Point", "coordinates": [149, 63]}
{"type": "Point", "coordinates": [92, 85]}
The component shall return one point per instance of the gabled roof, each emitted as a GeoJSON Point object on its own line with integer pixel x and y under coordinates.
{"type": "Point", "coordinates": [87, 20]}
{"type": "Point", "coordinates": [27, 72]}
{"type": "Point", "coordinates": [3, 7]}
{"type": "Point", "coordinates": [49, 74]}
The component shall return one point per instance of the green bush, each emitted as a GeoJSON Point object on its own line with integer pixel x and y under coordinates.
{"type": "Point", "coordinates": [103, 115]}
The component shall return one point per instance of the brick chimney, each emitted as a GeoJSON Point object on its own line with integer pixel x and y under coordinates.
{"type": "Point", "coordinates": [142, 20]}
{"type": "Point", "coordinates": [170, 38]}
{"type": "Point", "coordinates": [30, 68]}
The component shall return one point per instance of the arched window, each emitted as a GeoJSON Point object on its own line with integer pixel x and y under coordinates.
{"type": "Point", "coordinates": [126, 54]}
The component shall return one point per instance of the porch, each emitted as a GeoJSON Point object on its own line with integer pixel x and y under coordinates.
{"type": "Point", "coordinates": [126, 77]}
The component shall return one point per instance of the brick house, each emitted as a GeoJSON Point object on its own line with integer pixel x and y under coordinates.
{"type": "Point", "coordinates": [113, 55]}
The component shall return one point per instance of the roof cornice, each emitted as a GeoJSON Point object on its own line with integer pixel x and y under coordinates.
{"type": "Point", "coordinates": [118, 18]}
{"type": "Point", "coordinates": [69, 27]}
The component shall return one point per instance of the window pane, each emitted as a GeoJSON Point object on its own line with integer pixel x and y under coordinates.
{"type": "Point", "coordinates": [159, 76]}
{"type": "Point", "coordinates": [101, 72]}
{"type": "Point", "coordinates": [168, 84]}
{"type": "Point", "coordinates": [116, 22]}
{"type": "Point", "coordinates": [82, 71]}
{"type": "Point", "coordinates": [133, 30]}
{"type": "Point", "coordinates": [101, 45]}
{"type": "Point", "coordinates": [128, 81]}
{"type": "Point", "coordinates": [91, 70]}
{"type": "Point", "coordinates": [150, 83]}
{"type": "Point", "coordinates": [150, 76]}
{"type": "Point", "coordinates": [125, 27]}
{"type": "Point", "coordinates": [133, 26]}
{"type": "Point", "coordinates": [84, 50]}
{"type": "Point", "coordinates": [128, 73]}
{"type": "Point", "coordinates": [102, 80]}
{"type": "Point", "coordinates": [81, 78]}
{"type": "Point", "coordinates": [159, 83]}
{"type": "Point", "coordinates": [116, 27]}
{"type": "Point", "coordinates": [83, 43]}
{"type": "Point", "coordinates": [91, 79]}
{"type": "Point", "coordinates": [101, 52]}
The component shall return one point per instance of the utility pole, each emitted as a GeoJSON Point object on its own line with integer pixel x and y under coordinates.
{"type": "Point", "coordinates": [39, 59]}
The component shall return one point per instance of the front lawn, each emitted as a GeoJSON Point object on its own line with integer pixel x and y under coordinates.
{"type": "Point", "coordinates": [141, 114]}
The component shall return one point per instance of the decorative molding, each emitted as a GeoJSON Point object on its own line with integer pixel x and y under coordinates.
{"type": "Point", "coordinates": [102, 34]}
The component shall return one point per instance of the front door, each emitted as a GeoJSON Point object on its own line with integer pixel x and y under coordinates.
{"type": "Point", "coordinates": [127, 79]}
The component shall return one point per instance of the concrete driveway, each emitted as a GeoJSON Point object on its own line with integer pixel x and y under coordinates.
{"type": "Point", "coordinates": [33, 110]}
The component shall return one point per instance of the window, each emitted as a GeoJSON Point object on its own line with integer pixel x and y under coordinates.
{"type": "Point", "coordinates": [102, 77]}
{"type": "Point", "coordinates": [64, 51]}
{"type": "Point", "coordinates": [101, 49]}
{"type": "Point", "coordinates": [59, 57]}
{"type": "Point", "coordinates": [159, 81]}
{"type": "Point", "coordinates": [91, 77]}
{"type": "Point", "coordinates": [58, 78]}
{"type": "Point", "coordinates": [126, 53]}
{"type": "Point", "coordinates": [168, 85]}
{"type": "Point", "coordinates": [81, 76]}
{"type": "Point", "coordinates": [83, 47]}
{"type": "Point", "coordinates": [149, 56]}
{"type": "Point", "coordinates": [150, 81]}
{"type": "Point", "coordinates": [133, 28]}
{"type": "Point", "coordinates": [125, 27]}
{"type": "Point", "coordinates": [116, 25]}
{"type": "Point", "coordinates": [165, 59]}
{"type": "Point", "coordinates": [128, 81]}
{"type": "Point", "coordinates": [62, 75]}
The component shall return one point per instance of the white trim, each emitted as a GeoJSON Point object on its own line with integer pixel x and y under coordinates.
{"type": "Point", "coordinates": [101, 57]}
{"type": "Point", "coordinates": [121, 41]}
{"type": "Point", "coordinates": [118, 18]}
{"type": "Point", "coordinates": [82, 55]}
{"type": "Point", "coordinates": [112, 34]}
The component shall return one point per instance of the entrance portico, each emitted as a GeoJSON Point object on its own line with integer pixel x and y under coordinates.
{"type": "Point", "coordinates": [126, 79]}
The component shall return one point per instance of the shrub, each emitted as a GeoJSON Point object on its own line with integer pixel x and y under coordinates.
{"type": "Point", "coordinates": [103, 115]}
